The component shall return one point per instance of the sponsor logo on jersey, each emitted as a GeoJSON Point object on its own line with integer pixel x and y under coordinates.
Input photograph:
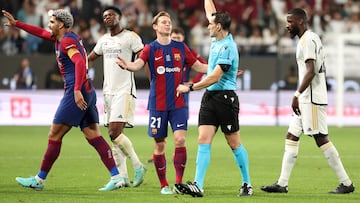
{"type": "Point", "coordinates": [161, 70]}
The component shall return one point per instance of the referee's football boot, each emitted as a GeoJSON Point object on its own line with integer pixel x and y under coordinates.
{"type": "Point", "coordinates": [342, 189]}
{"type": "Point", "coordinates": [275, 188]}
{"type": "Point", "coordinates": [190, 189]}
{"type": "Point", "coordinates": [246, 190]}
{"type": "Point", "coordinates": [30, 183]}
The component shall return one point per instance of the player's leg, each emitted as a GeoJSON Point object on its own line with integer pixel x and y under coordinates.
{"type": "Point", "coordinates": [89, 126]}
{"type": "Point", "coordinates": [195, 189]}
{"type": "Point", "coordinates": [64, 114]}
{"type": "Point", "coordinates": [330, 151]}
{"type": "Point", "coordinates": [55, 135]}
{"type": "Point", "coordinates": [178, 120]}
{"type": "Point", "coordinates": [92, 134]}
{"type": "Point", "coordinates": [157, 129]}
{"type": "Point", "coordinates": [120, 160]}
{"type": "Point", "coordinates": [124, 143]}
{"type": "Point", "coordinates": [121, 109]}
{"type": "Point", "coordinates": [289, 156]}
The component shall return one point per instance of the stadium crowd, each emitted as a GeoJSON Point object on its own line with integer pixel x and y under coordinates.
{"type": "Point", "coordinates": [258, 25]}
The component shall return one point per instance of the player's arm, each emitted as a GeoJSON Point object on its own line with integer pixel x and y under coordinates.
{"type": "Point", "coordinates": [92, 57]}
{"type": "Point", "coordinates": [309, 75]}
{"type": "Point", "coordinates": [200, 67]}
{"type": "Point", "coordinates": [137, 64]}
{"type": "Point", "coordinates": [34, 30]}
{"type": "Point", "coordinates": [130, 66]}
{"type": "Point", "coordinates": [209, 8]}
{"type": "Point", "coordinates": [80, 76]}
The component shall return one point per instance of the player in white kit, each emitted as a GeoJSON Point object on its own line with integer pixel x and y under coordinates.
{"type": "Point", "coordinates": [309, 106]}
{"type": "Point", "coordinates": [119, 90]}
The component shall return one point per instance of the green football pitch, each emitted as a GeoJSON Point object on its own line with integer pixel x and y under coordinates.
{"type": "Point", "coordinates": [78, 172]}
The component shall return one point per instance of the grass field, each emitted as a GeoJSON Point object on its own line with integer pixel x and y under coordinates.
{"type": "Point", "coordinates": [78, 172]}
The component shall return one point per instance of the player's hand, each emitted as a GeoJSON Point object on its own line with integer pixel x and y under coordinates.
{"type": "Point", "coordinates": [11, 19]}
{"type": "Point", "coordinates": [182, 89]}
{"type": "Point", "coordinates": [121, 62]}
{"type": "Point", "coordinates": [79, 100]}
{"type": "Point", "coordinates": [295, 106]}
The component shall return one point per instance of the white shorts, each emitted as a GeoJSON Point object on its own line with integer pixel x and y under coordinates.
{"type": "Point", "coordinates": [312, 121]}
{"type": "Point", "coordinates": [119, 108]}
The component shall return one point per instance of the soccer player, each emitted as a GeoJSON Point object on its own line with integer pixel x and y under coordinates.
{"type": "Point", "coordinates": [119, 90]}
{"type": "Point", "coordinates": [166, 59]}
{"type": "Point", "coordinates": [178, 34]}
{"type": "Point", "coordinates": [78, 105]}
{"type": "Point", "coordinates": [309, 106]}
{"type": "Point", "coordinates": [219, 104]}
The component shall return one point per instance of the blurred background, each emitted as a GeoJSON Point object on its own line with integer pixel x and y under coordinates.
{"type": "Point", "coordinates": [267, 53]}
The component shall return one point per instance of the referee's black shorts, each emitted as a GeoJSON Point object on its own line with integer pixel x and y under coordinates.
{"type": "Point", "coordinates": [220, 108]}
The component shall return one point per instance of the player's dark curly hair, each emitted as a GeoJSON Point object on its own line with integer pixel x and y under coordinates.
{"type": "Point", "coordinates": [223, 18]}
{"type": "Point", "coordinates": [116, 9]}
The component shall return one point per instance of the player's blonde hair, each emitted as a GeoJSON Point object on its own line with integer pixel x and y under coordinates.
{"type": "Point", "coordinates": [161, 13]}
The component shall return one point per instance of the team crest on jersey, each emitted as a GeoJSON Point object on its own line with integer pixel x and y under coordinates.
{"type": "Point", "coordinates": [154, 131]}
{"type": "Point", "coordinates": [177, 57]}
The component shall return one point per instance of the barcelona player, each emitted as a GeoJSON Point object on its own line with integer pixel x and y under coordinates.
{"type": "Point", "coordinates": [166, 59]}
{"type": "Point", "coordinates": [78, 105]}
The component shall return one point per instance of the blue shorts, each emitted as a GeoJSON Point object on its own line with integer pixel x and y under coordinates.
{"type": "Point", "coordinates": [69, 114]}
{"type": "Point", "coordinates": [158, 122]}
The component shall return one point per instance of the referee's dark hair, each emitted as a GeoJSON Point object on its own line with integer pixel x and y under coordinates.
{"type": "Point", "coordinates": [223, 18]}
{"type": "Point", "coordinates": [116, 9]}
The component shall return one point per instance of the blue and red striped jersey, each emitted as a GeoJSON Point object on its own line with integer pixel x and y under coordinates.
{"type": "Point", "coordinates": [66, 66]}
{"type": "Point", "coordinates": [166, 64]}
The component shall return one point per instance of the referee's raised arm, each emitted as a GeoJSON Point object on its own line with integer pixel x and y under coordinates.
{"type": "Point", "coordinates": [209, 8]}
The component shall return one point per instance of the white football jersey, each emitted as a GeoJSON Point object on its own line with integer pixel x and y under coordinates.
{"type": "Point", "coordinates": [125, 44]}
{"type": "Point", "coordinates": [310, 47]}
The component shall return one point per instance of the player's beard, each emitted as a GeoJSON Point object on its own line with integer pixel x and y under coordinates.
{"type": "Point", "coordinates": [293, 32]}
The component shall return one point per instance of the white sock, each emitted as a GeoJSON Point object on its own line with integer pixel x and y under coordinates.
{"type": "Point", "coordinates": [288, 162]}
{"type": "Point", "coordinates": [120, 160]}
{"type": "Point", "coordinates": [335, 163]}
{"type": "Point", "coordinates": [126, 146]}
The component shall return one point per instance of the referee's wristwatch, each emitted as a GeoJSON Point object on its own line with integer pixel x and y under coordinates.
{"type": "Point", "coordinates": [191, 87]}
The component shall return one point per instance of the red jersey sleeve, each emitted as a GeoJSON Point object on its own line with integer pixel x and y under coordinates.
{"type": "Point", "coordinates": [34, 30]}
{"type": "Point", "coordinates": [68, 43]}
{"type": "Point", "coordinates": [145, 53]}
{"type": "Point", "coordinates": [198, 57]}
{"type": "Point", "coordinates": [190, 59]}
{"type": "Point", "coordinates": [78, 59]}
